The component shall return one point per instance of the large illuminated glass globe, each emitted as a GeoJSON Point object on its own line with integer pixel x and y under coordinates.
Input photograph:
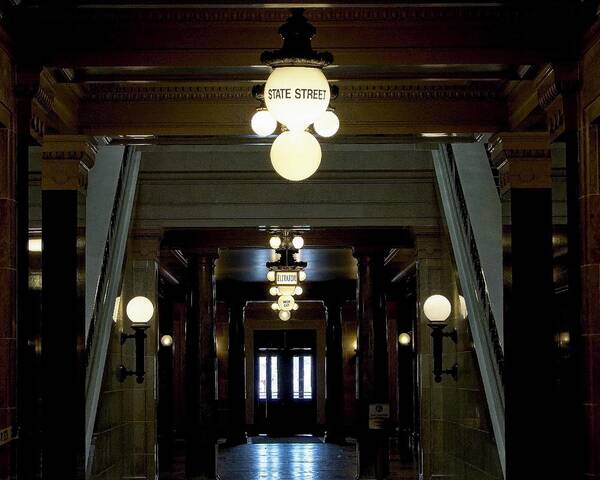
{"type": "Point", "coordinates": [327, 124]}
{"type": "Point", "coordinates": [437, 308]}
{"type": "Point", "coordinates": [296, 155]}
{"type": "Point", "coordinates": [139, 310]}
{"type": "Point", "coordinates": [297, 96]}
{"type": "Point", "coordinates": [263, 123]}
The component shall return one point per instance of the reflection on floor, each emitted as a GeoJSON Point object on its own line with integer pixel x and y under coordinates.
{"type": "Point", "coordinates": [289, 461]}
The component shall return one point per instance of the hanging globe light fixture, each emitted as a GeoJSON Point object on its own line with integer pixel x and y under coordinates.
{"type": "Point", "coordinates": [297, 95]}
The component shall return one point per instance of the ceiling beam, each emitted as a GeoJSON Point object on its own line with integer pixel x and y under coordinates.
{"type": "Point", "coordinates": [365, 108]}
{"type": "Point", "coordinates": [198, 239]}
{"type": "Point", "coordinates": [359, 35]}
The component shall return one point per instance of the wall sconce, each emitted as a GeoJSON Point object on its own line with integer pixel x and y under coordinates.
{"type": "Point", "coordinates": [139, 310]}
{"type": "Point", "coordinates": [404, 339]}
{"type": "Point", "coordinates": [166, 341]}
{"type": "Point", "coordinates": [437, 309]}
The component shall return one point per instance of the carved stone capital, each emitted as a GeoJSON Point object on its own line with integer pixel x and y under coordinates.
{"type": "Point", "coordinates": [557, 96]}
{"type": "Point", "coordinates": [66, 160]}
{"type": "Point", "coordinates": [522, 159]}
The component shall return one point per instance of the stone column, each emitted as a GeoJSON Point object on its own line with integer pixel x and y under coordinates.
{"type": "Point", "coordinates": [201, 369]}
{"type": "Point", "coordinates": [373, 449]}
{"type": "Point", "coordinates": [30, 130]}
{"type": "Point", "coordinates": [589, 203]}
{"type": "Point", "coordinates": [65, 164]}
{"type": "Point", "coordinates": [8, 294]}
{"type": "Point", "coordinates": [236, 373]}
{"type": "Point", "coordinates": [524, 165]}
{"type": "Point", "coordinates": [334, 372]}
{"type": "Point", "coordinates": [141, 278]}
{"type": "Point", "coordinates": [558, 95]}
{"type": "Point", "coordinates": [433, 277]}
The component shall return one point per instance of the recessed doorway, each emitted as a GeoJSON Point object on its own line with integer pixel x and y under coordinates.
{"type": "Point", "coordinates": [285, 382]}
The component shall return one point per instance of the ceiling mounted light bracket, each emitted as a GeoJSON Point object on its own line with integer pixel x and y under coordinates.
{"type": "Point", "coordinates": [297, 33]}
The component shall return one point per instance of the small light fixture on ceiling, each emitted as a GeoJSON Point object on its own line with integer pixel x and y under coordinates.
{"type": "Point", "coordinates": [275, 242]}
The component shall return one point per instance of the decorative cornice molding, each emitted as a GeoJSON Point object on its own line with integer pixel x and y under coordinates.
{"type": "Point", "coordinates": [557, 97]}
{"type": "Point", "coordinates": [523, 160]}
{"type": "Point", "coordinates": [315, 15]}
{"type": "Point", "coordinates": [120, 93]}
{"type": "Point", "coordinates": [168, 93]}
{"type": "Point", "coordinates": [416, 92]}
{"type": "Point", "coordinates": [66, 160]}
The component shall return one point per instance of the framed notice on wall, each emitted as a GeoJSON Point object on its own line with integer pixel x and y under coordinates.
{"type": "Point", "coordinates": [5, 435]}
{"type": "Point", "coordinates": [379, 413]}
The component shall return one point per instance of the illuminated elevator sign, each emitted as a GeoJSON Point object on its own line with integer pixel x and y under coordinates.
{"type": "Point", "coordinates": [286, 278]}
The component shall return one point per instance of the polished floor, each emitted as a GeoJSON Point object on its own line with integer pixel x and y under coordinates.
{"type": "Point", "coordinates": [287, 461]}
{"type": "Point", "coordinates": [290, 460]}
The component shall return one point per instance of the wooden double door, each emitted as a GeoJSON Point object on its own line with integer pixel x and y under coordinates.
{"type": "Point", "coordinates": [285, 383]}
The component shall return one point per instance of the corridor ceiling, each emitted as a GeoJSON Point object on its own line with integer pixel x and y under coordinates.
{"type": "Point", "coordinates": [248, 264]}
{"type": "Point", "coordinates": [168, 73]}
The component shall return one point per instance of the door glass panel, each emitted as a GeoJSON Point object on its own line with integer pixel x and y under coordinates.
{"type": "Point", "coordinates": [274, 378]}
{"type": "Point", "coordinates": [296, 377]}
{"type": "Point", "coordinates": [307, 377]}
{"type": "Point", "coordinates": [262, 378]}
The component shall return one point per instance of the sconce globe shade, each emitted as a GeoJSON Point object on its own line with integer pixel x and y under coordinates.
{"type": "Point", "coordinates": [295, 307]}
{"type": "Point", "coordinates": [271, 276]}
{"type": "Point", "coordinates": [463, 307]}
{"type": "Point", "coordinates": [284, 315]}
{"type": "Point", "coordinates": [286, 302]}
{"type": "Point", "coordinates": [140, 309]}
{"type": "Point", "coordinates": [273, 291]}
{"type": "Point", "coordinates": [297, 96]}
{"type": "Point", "coordinates": [404, 339]}
{"type": "Point", "coordinates": [302, 275]}
{"type": "Point", "coordinates": [298, 242]}
{"type": "Point", "coordinates": [295, 155]}
{"type": "Point", "coordinates": [166, 340]}
{"type": "Point", "coordinates": [327, 124]}
{"type": "Point", "coordinates": [298, 291]}
{"type": "Point", "coordinates": [274, 306]}
{"type": "Point", "coordinates": [275, 242]}
{"type": "Point", "coordinates": [263, 123]}
{"type": "Point", "coordinates": [437, 308]}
